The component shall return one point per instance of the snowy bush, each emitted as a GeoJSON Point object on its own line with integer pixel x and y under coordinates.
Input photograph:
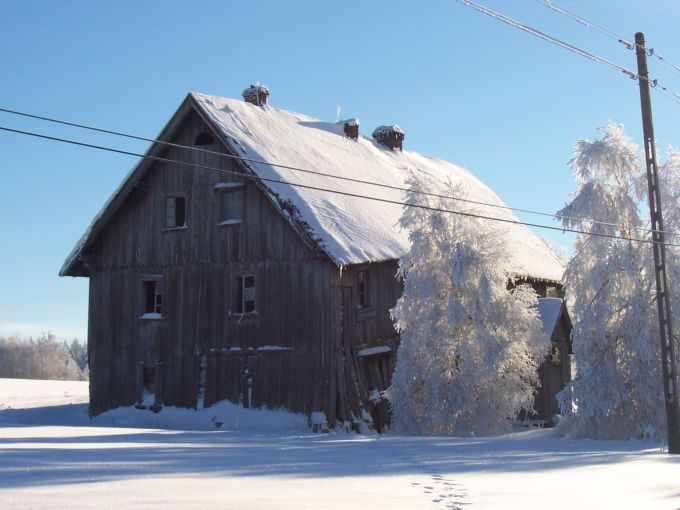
{"type": "Point", "coordinates": [617, 392]}
{"type": "Point", "coordinates": [467, 362]}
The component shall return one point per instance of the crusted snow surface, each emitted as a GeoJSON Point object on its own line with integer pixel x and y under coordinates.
{"type": "Point", "coordinates": [352, 229]}
{"type": "Point", "coordinates": [52, 456]}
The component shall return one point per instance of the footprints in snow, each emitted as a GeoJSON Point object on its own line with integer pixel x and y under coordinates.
{"type": "Point", "coordinates": [446, 492]}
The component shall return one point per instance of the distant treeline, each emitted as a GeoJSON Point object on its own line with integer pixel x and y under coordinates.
{"type": "Point", "coordinates": [42, 358]}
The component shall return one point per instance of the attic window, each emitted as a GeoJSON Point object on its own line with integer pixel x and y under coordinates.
{"type": "Point", "coordinates": [204, 138]}
{"type": "Point", "coordinates": [175, 211]}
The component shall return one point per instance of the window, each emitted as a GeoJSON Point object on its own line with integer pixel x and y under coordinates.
{"type": "Point", "coordinates": [245, 301]}
{"type": "Point", "coordinates": [230, 203]}
{"type": "Point", "coordinates": [362, 287]}
{"type": "Point", "coordinates": [153, 297]}
{"type": "Point", "coordinates": [175, 212]}
{"type": "Point", "coordinates": [204, 138]}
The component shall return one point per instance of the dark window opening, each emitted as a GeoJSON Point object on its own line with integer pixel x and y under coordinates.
{"type": "Point", "coordinates": [245, 301]}
{"type": "Point", "coordinates": [204, 139]}
{"type": "Point", "coordinates": [232, 206]}
{"type": "Point", "coordinates": [362, 286]}
{"type": "Point", "coordinates": [149, 396]}
{"type": "Point", "coordinates": [153, 298]}
{"type": "Point", "coordinates": [175, 212]}
{"type": "Point", "coordinates": [149, 380]}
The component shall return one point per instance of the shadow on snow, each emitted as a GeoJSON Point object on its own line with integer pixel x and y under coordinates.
{"type": "Point", "coordinates": [89, 457]}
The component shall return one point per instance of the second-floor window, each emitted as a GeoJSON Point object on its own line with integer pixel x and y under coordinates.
{"type": "Point", "coordinates": [230, 203]}
{"type": "Point", "coordinates": [245, 300]}
{"type": "Point", "coordinates": [175, 211]}
{"type": "Point", "coordinates": [152, 288]}
{"type": "Point", "coordinates": [362, 288]}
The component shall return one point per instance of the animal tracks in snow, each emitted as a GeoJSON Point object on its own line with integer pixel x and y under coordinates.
{"type": "Point", "coordinates": [445, 492]}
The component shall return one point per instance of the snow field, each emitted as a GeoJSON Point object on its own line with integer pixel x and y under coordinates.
{"type": "Point", "coordinates": [52, 457]}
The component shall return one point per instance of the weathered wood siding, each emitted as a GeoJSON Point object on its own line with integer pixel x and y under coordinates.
{"type": "Point", "coordinates": [366, 327]}
{"type": "Point", "coordinates": [296, 302]}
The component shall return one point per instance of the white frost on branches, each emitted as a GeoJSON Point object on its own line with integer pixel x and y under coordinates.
{"type": "Point", "coordinates": [467, 362]}
{"type": "Point", "coordinates": [617, 392]}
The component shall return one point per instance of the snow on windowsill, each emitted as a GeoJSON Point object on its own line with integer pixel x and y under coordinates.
{"type": "Point", "coordinates": [374, 396]}
{"type": "Point", "coordinates": [229, 222]}
{"type": "Point", "coordinates": [174, 229]}
{"type": "Point", "coordinates": [372, 351]}
{"type": "Point", "coordinates": [229, 185]}
{"type": "Point", "coordinates": [151, 316]}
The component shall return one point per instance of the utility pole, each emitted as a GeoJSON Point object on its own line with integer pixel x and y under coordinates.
{"type": "Point", "coordinates": [663, 302]}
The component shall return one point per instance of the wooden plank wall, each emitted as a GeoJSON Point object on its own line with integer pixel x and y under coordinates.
{"type": "Point", "coordinates": [296, 306]}
{"type": "Point", "coordinates": [368, 327]}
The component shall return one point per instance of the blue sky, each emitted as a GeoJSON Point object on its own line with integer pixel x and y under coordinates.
{"type": "Point", "coordinates": [463, 87]}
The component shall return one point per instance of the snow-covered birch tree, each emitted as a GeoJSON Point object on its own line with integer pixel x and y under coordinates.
{"type": "Point", "coordinates": [469, 352]}
{"type": "Point", "coordinates": [617, 390]}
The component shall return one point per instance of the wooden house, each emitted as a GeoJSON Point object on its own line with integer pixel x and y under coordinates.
{"type": "Point", "coordinates": [230, 264]}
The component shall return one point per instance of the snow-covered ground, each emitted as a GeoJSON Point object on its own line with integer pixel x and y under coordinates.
{"type": "Point", "coordinates": [53, 456]}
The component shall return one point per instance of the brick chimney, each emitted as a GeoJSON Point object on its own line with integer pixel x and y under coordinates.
{"type": "Point", "coordinates": [351, 128]}
{"type": "Point", "coordinates": [256, 94]}
{"type": "Point", "coordinates": [390, 136]}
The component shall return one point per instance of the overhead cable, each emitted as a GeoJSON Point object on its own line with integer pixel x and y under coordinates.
{"type": "Point", "coordinates": [322, 174]}
{"type": "Point", "coordinates": [590, 24]}
{"type": "Point", "coordinates": [258, 178]}
{"type": "Point", "coordinates": [613, 35]}
{"type": "Point", "coordinates": [514, 23]}
{"type": "Point", "coordinates": [546, 37]}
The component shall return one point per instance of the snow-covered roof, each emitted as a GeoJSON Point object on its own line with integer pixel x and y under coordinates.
{"type": "Point", "coordinates": [353, 230]}
{"type": "Point", "coordinates": [549, 310]}
{"type": "Point", "coordinates": [348, 228]}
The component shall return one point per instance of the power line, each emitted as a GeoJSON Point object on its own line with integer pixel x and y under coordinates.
{"type": "Point", "coordinates": [613, 35]}
{"type": "Point", "coordinates": [546, 37]}
{"type": "Point", "coordinates": [325, 190]}
{"type": "Point", "coordinates": [590, 24]}
{"type": "Point", "coordinates": [562, 44]}
{"type": "Point", "coordinates": [322, 174]}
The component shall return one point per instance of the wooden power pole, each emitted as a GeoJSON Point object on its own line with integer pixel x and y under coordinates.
{"type": "Point", "coordinates": [668, 360]}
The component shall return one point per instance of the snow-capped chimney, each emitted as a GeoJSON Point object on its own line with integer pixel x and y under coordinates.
{"type": "Point", "coordinates": [256, 94]}
{"type": "Point", "coordinates": [391, 136]}
{"type": "Point", "coordinates": [351, 128]}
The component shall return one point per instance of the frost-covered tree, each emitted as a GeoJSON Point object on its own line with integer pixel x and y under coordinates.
{"type": "Point", "coordinates": [41, 358]}
{"type": "Point", "coordinates": [467, 362]}
{"type": "Point", "coordinates": [669, 177]}
{"type": "Point", "coordinates": [617, 390]}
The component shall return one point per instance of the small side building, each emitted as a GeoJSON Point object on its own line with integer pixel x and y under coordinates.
{"type": "Point", "coordinates": [555, 371]}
